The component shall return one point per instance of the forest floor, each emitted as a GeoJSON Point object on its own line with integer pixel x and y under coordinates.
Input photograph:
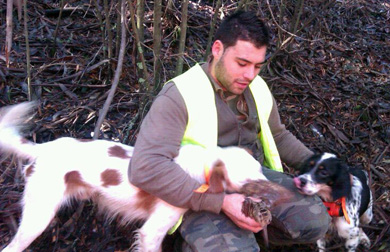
{"type": "Point", "coordinates": [331, 82]}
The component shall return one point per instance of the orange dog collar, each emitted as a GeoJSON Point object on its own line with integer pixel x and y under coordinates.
{"type": "Point", "coordinates": [204, 187]}
{"type": "Point", "coordinates": [338, 208]}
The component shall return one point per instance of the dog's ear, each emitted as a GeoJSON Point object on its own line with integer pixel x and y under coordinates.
{"type": "Point", "coordinates": [342, 182]}
{"type": "Point", "coordinates": [219, 179]}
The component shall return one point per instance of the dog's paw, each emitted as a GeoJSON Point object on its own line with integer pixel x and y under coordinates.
{"type": "Point", "coordinates": [365, 241]}
{"type": "Point", "coordinates": [257, 210]}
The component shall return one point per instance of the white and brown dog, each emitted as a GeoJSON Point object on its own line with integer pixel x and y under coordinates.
{"type": "Point", "coordinates": [345, 193]}
{"type": "Point", "coordinates": [66, 169]}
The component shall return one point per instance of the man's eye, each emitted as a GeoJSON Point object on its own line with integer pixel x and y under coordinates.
{"type": "Point", "coordinates": [241, 64]}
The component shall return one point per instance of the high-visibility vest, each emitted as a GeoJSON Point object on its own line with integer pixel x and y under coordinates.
{"type": "Point", "coordinates": [202, 126]}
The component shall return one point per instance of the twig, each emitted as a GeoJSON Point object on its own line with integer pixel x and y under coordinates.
{"type": "Point", "coordinates": [100, 18]}
{"type": "Point", "coordinates": [379, 174]}
{"type": "Point", "coordinates": [82, 72]}
{"type": "Point", "coordinates": [157, 14]}
{"type": "Point", "coordinates": [9, 167]}
{"type": "Point", "coordinates": [382, 234]}
{"type": "Point", "coordinates": [69, 93]}
{"type": "Point", "coordinates": [212, 28]}
{"type": "Point", "coordinates": [380, 156]}
{"type": "Point", "coordinates": [19, 6]}
{"type": "Point", "coordinates": [297, 15]}
{"type": "Point", "coordinates": [281, 47]}
{"type": "Point", "coordinates": [118, 72]}
{"type": "Point", "coordinates": [90, 62]}
{"type": "Point", "coordinates": [108, 29]}
{"type": "Point", "coordinates": [141, 19]}
{"type": "Point", "coordinates": [109, 36]}
{"type": "Point", "coordinates": [139, 46]}
{"type": "Point", "coordinates": [58, 23]}
{"type": "Point", "coordinates": [27, 51]}
{"type": "Point", "coordinates": [118, 22]}
{"type": "Point", "coordinates": [2, 75]}
{"type": "Point", "coordinates": [8, 36]}
{"type": "Point", "coordinates": [43, 84]}
{"type": "Point", "coordinates": [183, 33]}
{"type": "Point", "coordinates": [281, 28]}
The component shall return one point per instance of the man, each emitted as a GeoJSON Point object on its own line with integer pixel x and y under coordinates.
{"type": "Point", "coordinates": [212, 104]}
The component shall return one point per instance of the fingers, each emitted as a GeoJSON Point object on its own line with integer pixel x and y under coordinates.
{"type": "Point", "coordinates": [232, 205]}
{"type": "Point", "coordinates": [254, 227]}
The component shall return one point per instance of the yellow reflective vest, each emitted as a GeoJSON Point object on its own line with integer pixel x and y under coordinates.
{"type": "Point", "coordinates": [202, 126]}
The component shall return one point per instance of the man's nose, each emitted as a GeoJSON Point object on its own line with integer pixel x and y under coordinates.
{"type": "Point", "coordinates": [250, 73]}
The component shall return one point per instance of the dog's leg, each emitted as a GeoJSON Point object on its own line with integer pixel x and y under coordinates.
{"type": "Point", "coordinates": [321, 244]}
{"type": "Point", "coordinates": [364, 240]}
{"type": "Point", "coordinates": [152, 233]}
{"type": "Point", "coordinates": [350, 232]}
{"type": "Point", "coordinates": [365, 219]}
{"type": "Point", "coordinates": [353, 240]}
{"type": "Point", "coordinates": [40, 205]}
{"type": "Point", "coordinates": [367, 216]}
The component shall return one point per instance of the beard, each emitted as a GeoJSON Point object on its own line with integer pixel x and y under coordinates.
{"type": "Point", "coordinates": [222, 75]}
{"type": "Point", "coordinates": [226, 80]}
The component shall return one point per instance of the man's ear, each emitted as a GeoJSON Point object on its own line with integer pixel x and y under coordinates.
{"type": "Point", "coordinates": [217, 49]}
{"type": "Point", "coordinates": [219, 179]}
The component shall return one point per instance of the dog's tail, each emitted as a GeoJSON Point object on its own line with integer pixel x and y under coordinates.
{"type": "Point", "coordinates": [12, 122]}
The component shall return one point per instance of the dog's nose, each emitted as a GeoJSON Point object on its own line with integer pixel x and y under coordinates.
{"type": "Point", "coordinates": [303, 181]}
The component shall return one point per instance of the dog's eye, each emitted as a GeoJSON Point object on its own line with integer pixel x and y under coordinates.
{"type": "Point", "coordinates": [312, 163]}
{"type": "Point", "coordinates": [323, 173]}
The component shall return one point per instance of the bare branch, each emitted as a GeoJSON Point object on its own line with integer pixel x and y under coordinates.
{"type": "Point", "coordinates": [117, 76]}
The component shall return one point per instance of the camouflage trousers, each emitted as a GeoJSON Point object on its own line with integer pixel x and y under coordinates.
{"type": "Point", "coordinates": [302, 219]}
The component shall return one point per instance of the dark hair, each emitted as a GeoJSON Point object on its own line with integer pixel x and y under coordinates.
{"type": "Point", "coordinates": [245, 26]}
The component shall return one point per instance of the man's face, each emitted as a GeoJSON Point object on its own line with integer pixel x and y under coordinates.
{"type": "Point", "coordinates": [235, 67]}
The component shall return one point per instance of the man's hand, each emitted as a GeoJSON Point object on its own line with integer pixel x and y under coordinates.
{"type": "Point", "coordinates": [232, 205]}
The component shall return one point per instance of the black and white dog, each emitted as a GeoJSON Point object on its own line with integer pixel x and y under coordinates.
{"type": "Point", "coordinates": [345, 193]}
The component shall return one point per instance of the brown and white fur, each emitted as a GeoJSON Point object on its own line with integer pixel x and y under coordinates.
{"type": "Point", "coordinates": [70, 169]}
{"type": "Point", "coordinates": [326, 176]}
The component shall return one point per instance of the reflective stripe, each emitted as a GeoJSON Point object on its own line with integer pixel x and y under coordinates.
{"type": "Point", "coordinates": [176, 226]}
{"type": "Point", "coordinates": [264, 102]}
{"type": "Point", "coordinates": [198, 94]}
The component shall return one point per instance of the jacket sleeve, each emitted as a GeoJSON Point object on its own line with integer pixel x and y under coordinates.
{"type": "Point", "coordinates": [292, 151]}
{"type": "Point", "coordinates": [152, 167]}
